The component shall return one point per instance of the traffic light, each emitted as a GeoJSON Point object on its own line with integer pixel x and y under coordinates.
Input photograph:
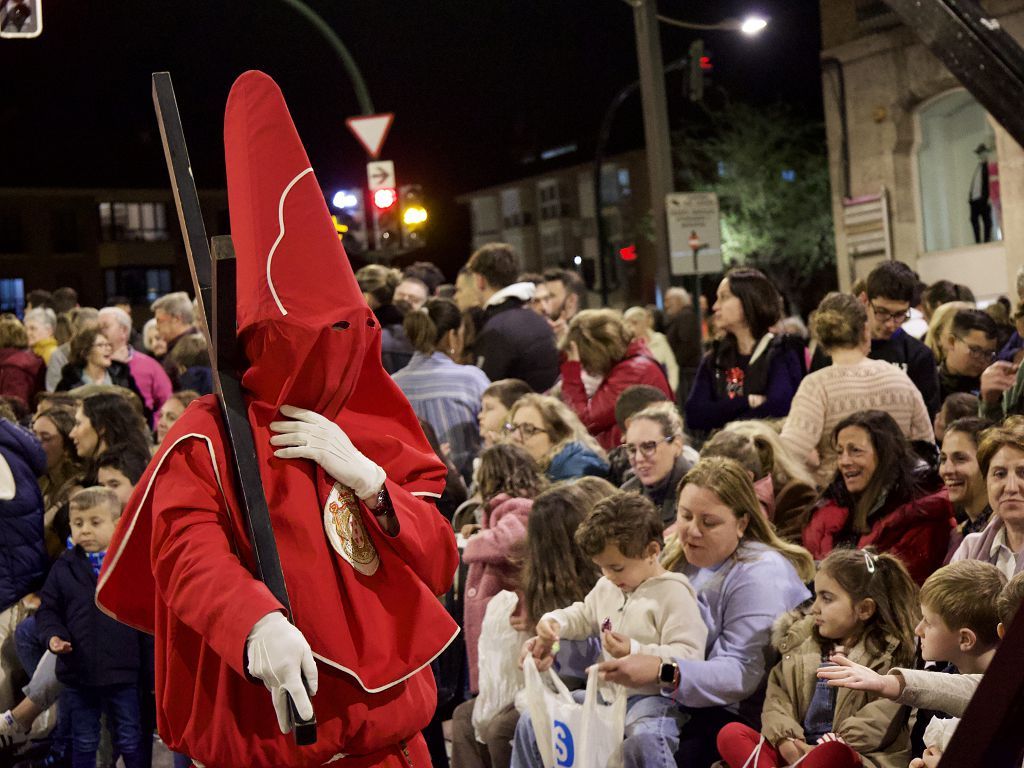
{"type": "Point", "coordinates": [350, 220]}
{"type": "Point", "coordinates": [387, 228]}
{"type": "Point", "coordinates": [414, 217]}
{"type": "Point", "coordinates": [699, 64]}
{"type": "Point", "coordinates": [21, 18]}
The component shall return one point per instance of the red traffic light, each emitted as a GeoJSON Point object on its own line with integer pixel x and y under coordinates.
{"type": "Point", "coordinates": [705, 63]}
{"type": "Point", "coordinates": [628, 253]}
{"type": "Point", "coordinates": [385, 198]}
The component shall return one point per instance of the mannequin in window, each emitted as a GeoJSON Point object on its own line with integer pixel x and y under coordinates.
{"type": "Point", "coordinates": [981, 210]}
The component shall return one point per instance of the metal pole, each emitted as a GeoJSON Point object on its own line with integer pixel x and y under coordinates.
{"type": "Point", "coordinates": [362, 93]}
{"type": "Point", "coordinates": [659, 150]}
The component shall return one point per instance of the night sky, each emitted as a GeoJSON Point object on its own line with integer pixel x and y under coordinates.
{"type": "Point", "coordinates": [476, 86]}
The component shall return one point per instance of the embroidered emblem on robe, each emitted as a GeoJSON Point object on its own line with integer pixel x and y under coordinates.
{"type": "Point", "coordinates": [346, 532]}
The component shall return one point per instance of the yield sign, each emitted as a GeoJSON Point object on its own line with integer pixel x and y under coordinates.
{"type": "Point", "coordinates": [371, 130]}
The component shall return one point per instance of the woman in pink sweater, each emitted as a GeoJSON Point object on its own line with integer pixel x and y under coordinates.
{"type": "Point", "coordinates": [853, 383]}
{"type": "Point", "coordinates": [509, 480]}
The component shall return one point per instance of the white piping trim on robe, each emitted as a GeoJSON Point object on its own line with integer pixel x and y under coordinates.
{"type": "Point", "coordinates": [145, 495]}
{"type": "Point", "coordinates": [280, 236]}
{"type": "Point", "coordinates": [362, 685]}
{"type": "Point", "coordinates": [216, 471]}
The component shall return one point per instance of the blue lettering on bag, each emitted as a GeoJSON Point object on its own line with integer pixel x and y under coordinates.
{"type": "Point", "coordinates": [564, 752]}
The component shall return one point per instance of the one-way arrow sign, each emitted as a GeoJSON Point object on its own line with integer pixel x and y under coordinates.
{"type": "Point", "coordinates": [371, 130]}
{"type": "Point", "coordinates": [380, 174]}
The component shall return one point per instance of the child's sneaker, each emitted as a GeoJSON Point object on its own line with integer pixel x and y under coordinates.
{"type": "Point", "coordinates": [11, 732]}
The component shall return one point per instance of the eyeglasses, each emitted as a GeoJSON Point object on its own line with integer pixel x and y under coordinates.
{"type": "Point", "coordinates": [526, 431]}
{"type": "Point", "coordinates": [102, 345]}
{"type": "Point", "coordinates": [647, 448]}
{"type": "Point", "coordinates": [978, 353]}
{"type": "Point", "coordinates": [884, 315]}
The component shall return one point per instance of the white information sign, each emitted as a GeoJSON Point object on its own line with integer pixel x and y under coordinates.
{"type": "Point", "coordinates": [380, 174]}
{"type": "Point", "coordinates": [693, 221]}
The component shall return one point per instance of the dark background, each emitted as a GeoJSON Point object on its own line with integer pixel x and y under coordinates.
{"type": "Point", "coordinates": [479, 89]}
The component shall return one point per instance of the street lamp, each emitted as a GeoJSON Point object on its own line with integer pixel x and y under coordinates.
{"type": "Point", "coordinates": [655, 110]}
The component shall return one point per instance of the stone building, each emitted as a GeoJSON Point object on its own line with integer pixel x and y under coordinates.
{"type": "Point", "coordinates": [550, 219]}
{"type": "Point", "coordinates": [910, 149]}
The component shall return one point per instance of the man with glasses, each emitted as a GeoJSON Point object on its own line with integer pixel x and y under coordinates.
{"type": "Point", "coordinates": [969, 349]}
{"type": "Point", "coordinates": [888, 296]}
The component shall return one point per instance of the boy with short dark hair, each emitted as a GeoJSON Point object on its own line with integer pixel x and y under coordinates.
{"type": "Point", "coordinates": [888, 295]}
{"type": "Point", "coordinates": [970, 346]}
{"type": "Point", "coordinates": [97, 657]}
{"type": "Point", "coordinates": [636, 607]}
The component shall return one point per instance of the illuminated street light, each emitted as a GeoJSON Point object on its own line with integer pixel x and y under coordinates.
{"type": "Point", "coordinates": [753, 25]}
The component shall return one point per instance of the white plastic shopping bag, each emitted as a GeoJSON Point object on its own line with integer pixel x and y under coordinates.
{"type": "Point", "coordinates": [499, 675]}
{"type": "Point", "coordinates": [573, 735]}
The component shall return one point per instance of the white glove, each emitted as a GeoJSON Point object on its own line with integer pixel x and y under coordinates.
{"type": "Point", "coordinates": [280, 656]}
{"type": "Point", "coordinates": [311, 436]}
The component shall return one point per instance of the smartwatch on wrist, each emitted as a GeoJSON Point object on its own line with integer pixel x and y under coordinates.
{"type": "Point", "coordinates": [668, 676]}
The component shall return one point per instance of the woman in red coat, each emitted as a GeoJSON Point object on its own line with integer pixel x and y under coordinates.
{"type": "Point", "coordinates": [602, 359]}
{"type": "Point", "coordinates": [882, 496]}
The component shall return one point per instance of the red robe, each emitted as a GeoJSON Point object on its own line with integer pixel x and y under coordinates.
{"type": "Point", "coordinates": [180, 564]}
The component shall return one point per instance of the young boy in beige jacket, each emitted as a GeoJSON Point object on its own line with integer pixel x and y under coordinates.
{"type": "Point", "coordinates": [635, 607]}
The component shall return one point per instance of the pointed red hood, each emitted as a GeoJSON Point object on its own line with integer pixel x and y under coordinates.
{"type": "Point", "coordinates": [298, 300]}
{"type": "Point", "coordinates": [306, 329]}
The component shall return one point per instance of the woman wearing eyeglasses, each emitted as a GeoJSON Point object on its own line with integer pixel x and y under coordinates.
{"type": "Point", "coordinates": [555, 438]}
{"type": "Point", "coordinates": [654, 444]}
{"type": "Point", "coordinates": [90, 361]}
{"type": "Point", "coordinates": [967, 350]}
{"type": "Point", "coordinates": [883, 496]}
{"type": "Point", "coordinates": [853, 382]}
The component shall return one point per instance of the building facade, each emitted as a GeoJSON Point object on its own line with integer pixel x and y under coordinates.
{"type": "Point", "coordinates": [550, 218]}
{"type": "Point", "coordinates": [101, 242]}
{"type": "Point", "coordinates": [920, 171]}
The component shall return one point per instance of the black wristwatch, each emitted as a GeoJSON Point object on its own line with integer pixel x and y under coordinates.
{"type": "Point", "coordinates": [668, 676]}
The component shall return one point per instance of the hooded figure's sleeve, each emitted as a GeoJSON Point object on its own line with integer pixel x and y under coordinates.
{"type": "Point", "coordinates": [425, 539]}
{"type": "Point", "coordinates": [196, 564]}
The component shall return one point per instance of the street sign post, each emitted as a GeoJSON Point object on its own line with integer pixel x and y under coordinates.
{"type": "Point", "coordinates": [694, 233]}
{"type": "Point", "coordinates": [371, 130]}
{"type": "Point", "coordinates": [380, 174]}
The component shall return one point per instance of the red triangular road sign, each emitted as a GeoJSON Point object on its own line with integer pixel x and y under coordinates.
{"type": "Point", "coordinates": [371, 130]}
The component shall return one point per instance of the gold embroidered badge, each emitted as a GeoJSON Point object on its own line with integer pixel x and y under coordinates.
{"type": "Point", "coordinates": [343, 524]}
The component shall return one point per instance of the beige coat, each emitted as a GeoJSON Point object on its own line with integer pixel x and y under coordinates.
{"type": "Point", "coordinates": [876, 728]}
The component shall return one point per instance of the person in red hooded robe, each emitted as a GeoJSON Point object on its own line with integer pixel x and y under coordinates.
{"type": "Point", "coordinates": [349, 479]}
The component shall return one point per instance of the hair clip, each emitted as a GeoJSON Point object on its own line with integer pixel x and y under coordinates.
{"type": "Point", "coordinates": [869, 561]}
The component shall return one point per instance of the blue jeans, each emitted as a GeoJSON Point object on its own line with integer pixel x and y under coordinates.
{"type": "Point", "coordinates": [652, 734]}
{"type": "Point", "coordinates": [85, 705]}
{"type": "Point", "coordinates": [27, 645]}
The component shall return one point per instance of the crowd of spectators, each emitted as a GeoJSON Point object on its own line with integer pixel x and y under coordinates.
{"type": "Point", "coordinates": [753, 524]}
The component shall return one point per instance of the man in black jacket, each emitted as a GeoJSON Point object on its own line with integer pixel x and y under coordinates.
{"type": "Point", "coordinates": [683, 332]}
{"type": "Point", "coordinates": [514, 342]}
{"type": "Point", "coordinates": [888, 297]}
